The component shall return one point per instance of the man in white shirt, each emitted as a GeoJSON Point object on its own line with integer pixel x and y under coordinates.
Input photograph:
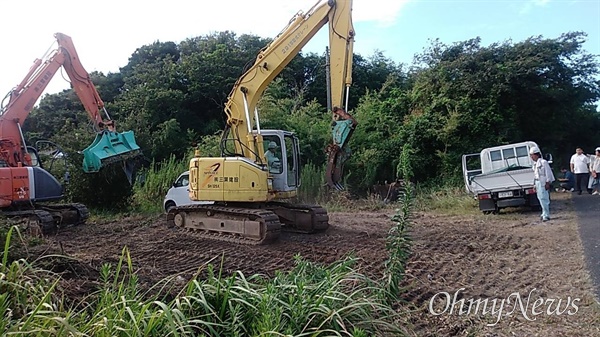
{"type": "Point", "coordinates": [595, 171]}
{"type": "Point", "coordinates": [543, 181]}
{"type": "Point", "coordinates": [580, 167]}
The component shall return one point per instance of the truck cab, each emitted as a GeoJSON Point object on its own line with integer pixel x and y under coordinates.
{"type": "Point", "coordinates": [501, 176]}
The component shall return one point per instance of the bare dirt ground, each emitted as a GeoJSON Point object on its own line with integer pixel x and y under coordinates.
{"type": "Point", "coordinates": [490, 256]}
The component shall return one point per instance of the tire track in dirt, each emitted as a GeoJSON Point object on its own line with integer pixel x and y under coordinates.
{"type": "Point", "coordinates": [158, 251]}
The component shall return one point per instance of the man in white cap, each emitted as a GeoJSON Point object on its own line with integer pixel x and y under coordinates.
{"type": "Point", "coordinates": [543, 181]}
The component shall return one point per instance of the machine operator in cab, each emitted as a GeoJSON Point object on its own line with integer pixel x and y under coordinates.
{"type": "Point", "coordinates": [272, 160]}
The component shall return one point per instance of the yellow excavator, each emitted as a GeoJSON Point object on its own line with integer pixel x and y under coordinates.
{"type": "Point", "coordinates": [253, 184]}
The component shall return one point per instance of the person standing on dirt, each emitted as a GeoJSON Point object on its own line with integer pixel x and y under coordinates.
{"type": "Point", "coordinates": [543, 181]}
{"type": "Point", "coordinates": [579, 166]}
{"type": "Point", "coordinates": [595, 171]}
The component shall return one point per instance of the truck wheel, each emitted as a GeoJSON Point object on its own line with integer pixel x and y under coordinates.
{"type": "Point", "coordinates": [169, 205]}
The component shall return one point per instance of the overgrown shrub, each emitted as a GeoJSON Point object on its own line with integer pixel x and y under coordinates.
{"type": "Point", "coordinates": [313, 187]}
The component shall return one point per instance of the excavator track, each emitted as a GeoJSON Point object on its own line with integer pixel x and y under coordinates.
{"type": "Point", "coordinates": [300, 218]}
{"type": "Point", "coordinates": [67, 215]}
{"type": "Point", "coordinates": [35, 222]}
{"type": "Point", "coordinates": [46, 219]}
{"type": "Point", "coordinates": [231, 224]}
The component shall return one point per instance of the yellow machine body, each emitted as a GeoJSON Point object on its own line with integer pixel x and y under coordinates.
{"type": "Point", "coordinates": [232, 179]}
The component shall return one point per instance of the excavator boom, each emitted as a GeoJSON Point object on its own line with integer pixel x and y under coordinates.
{"type": "Point", "coordinates": [242, 115]}
{"type": "Point", "coordinates": [108, 146]}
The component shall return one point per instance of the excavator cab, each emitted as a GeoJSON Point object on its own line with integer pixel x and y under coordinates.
{"type": "Point", "coordinates": [282, 152]}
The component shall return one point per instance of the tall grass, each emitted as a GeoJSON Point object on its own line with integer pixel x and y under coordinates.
{"type": "Point", "coordinates": [398, 240]}
{"type": "Point", "coordinates": [313, 187]}
{"type": "Point", "coordinates": [398, 244]}
{"type": "Point", "coordinates": [149, 193]}
{"type": "Point", "coordinates": [26, 295]}
{"type": "Point", "coordinates": [309, 300]}
{"type": "Point", "coordinates": [449, 200]}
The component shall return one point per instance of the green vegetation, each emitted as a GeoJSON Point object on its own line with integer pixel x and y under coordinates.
{"type": "Point", "coordinates": [398, 239]}
{"type": "Point", "coordinates": [453, 99]}
{"type": "Point", "coordinates": [155, 181]}
{"type": "Point", "coordinates": [313, 187]}
{"type": "Point", "coordinates": [447, 200]}
{"type": "Point", "coordinates": [308, 300]}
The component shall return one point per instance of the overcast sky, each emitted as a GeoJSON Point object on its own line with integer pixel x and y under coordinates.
{"type": "Point", "coordinates": [106, 33]}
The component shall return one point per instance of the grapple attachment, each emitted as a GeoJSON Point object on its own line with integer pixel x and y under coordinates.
{"type": "Point", "coordinates": [337, 151]}
{"type": "Point", "coordinates": [110, 147]}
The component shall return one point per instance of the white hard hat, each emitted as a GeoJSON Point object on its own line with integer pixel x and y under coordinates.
{"type": "Point", "coordinates": [598, 149]}
{"type": "Point", "coordinates": [534, 150]}
{"type": "Point", "coordinates": [272, 145]}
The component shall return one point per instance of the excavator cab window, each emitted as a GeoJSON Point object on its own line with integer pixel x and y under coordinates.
{"type": "Point", "coordinates": [273, 154]}
{"type": "Point", "coordinates": [283, 159]}
{"type": "Point", "coordinates": [35, 158]}
{"type": "Point", "coordinates": [292, 161]}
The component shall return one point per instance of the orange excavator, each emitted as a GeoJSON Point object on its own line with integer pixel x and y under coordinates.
{"type": "Point", "coordinates": [27, 190]}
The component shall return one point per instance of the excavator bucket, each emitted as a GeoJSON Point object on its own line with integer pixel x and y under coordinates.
{"type": "Point", "coordinates": [111, 147]}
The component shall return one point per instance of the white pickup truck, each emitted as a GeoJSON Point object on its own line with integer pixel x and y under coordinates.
{"type": "Point", "coordinates": [501, 177]}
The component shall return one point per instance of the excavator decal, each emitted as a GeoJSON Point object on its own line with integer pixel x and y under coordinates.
{"type": "Point", "coordinates": [21, 193]}
{"type": "Point", "coordinates": [210, 172]}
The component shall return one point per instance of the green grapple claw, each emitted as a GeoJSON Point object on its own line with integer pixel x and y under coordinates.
{"type": "Point", "coordinates": [108, 148]}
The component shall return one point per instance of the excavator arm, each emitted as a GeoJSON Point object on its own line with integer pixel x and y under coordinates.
{"type": "Point", "coordinates": [242, 114]}
{"type": "Point", "coordinates": [109, 146]}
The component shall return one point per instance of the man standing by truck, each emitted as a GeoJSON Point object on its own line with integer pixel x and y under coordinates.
{"type": "Point", "coordinates": [580, 166]}
{"type": "Point", "coordinates": [543, 179]}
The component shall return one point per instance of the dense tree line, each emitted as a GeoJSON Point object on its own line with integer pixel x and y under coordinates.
{"type": "Point", "coordinates": [453, 99]}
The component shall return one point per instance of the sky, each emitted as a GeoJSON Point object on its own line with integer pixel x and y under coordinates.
{"type": "Point", "coordinates": [106, 33]}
